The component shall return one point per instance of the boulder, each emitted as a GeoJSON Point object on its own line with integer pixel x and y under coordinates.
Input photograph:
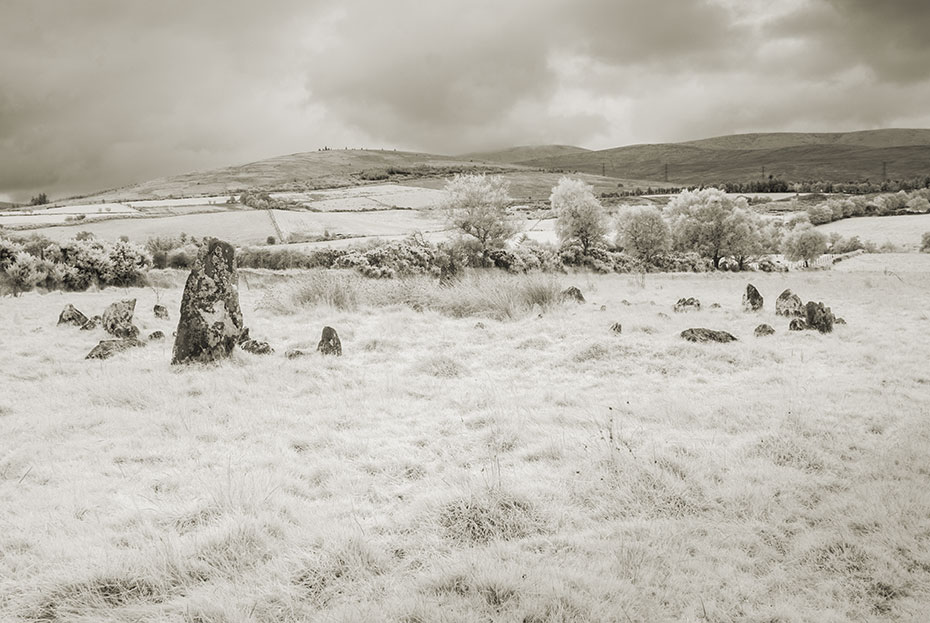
{"type": "Point", "coordinates": [71, 315]}
{"type": "Point", "coordinates": [210, 322]}
{"type": "Point", "coordinates": [294, 353]}
{"type": "Point", "coordinates": [839, 320]}
{"type": "Point", "coordinates": [818, 317]}
{"type": "Point", "coordinates": [688, 304]}
{"type": "Point", "coordinates": [715, 305]}
{"type": "Point", "coordinates": [752, 300]}
{"type": "Point", "coordinates": [156, 335]}
{"type": "Point", "coordinates": [707, 335]}
{"type": "Point", "coordinates": [625, 302]}
{"type": "Point", "coordinates": [161, 312]}
{"type": "Point", "coordinates": [107, 348]}
{"type": "Point", "coordinates": [480, 325]}
{"type": "Point", "coordinates": [616, 327]}
{"type": "Point", "coordinates": [768, 266]}
{"type": "Point", "coordinates": [789, 304]}
{"type": "Point", "coordinates": [797, 324]}
{"type": "Point", "coordinates": [256, 347]}
{"type": "Point", "coordinates": [572, 293]}
{"type": "Point", "coordinates": [603, 308]}
{"type": "Point", "coordinates": [763, 330]}
{"type": "Point", "coordinates": [91, 324]}
{"type": "Point", "coordinates": [117, 319]}
{"type": "Point", "coordinates": [329, 342]}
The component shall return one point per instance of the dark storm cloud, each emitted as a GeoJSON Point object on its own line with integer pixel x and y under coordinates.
{"type": "Point", "coordinates": [100, 93]}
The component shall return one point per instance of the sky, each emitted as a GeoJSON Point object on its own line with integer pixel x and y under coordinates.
{"type": "Point", "coordinates": [101, 93]}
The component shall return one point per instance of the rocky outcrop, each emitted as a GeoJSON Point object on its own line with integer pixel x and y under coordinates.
{"type": "Point", "coordinates": [707, 335]}
{"type": "Point", "coordinates": [210, 322]}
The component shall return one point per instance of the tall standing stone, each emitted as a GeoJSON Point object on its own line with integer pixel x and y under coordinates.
{"type": "Point", "coordinates": [329, 342]}
{"type": "Point", "coordinates": [73, 316]}
{"type": "Point", "coordinates": [819, 317]}
{"type": "Point", "coordinates": [210, 321]}
{"type": "Point", "coordinates": [752, 300]}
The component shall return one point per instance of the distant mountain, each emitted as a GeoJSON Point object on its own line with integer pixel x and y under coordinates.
{"type": "Point", "coordinates": [792, 156]}
{"type": "Point", "coordinates": [514, 155]}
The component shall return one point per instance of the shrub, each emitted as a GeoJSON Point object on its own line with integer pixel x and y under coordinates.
{"type": "Point", "coordinates": [476, 206]}
{"type": "Point", "coordinates": [643, 233]}
{"type": "Point", "coordinates": [580, 215]}
{"type": "Point", "coordinates": [128, 264]}
{"type": "Point", "coordinates": [25, 272]}
{"type": "Point", "coordinates": [805, 244]}
{"type": "Point", "coordinates": [270, 240]}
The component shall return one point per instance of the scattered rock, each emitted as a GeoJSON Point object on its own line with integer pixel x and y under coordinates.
{"type": "Point", "coordinates": [752, 300]}
{"type": "Point", "coordinates": [819, 317]}
{"type": "Point", "coordinates": [294, 353]}
{"type": "Point", "coordinates": [664, 316]}
{"type": "Point", "coordinates": [603, 308]}
{"type": "Point", "coordinates": [479, 325]}
{"type": "Point", "coordinates": [107, 348]}
{"type": "Point", "coordinates": [688, 304]}
{"type": "Point", "coordinates": [789, 304]}
{"type": "Point", "coordinates": [768, 266]}
{"type": "Point", "coordinates": [161, 312]}
{"type": "Point", "coordinates": [256, 347]}
{"type": "Point", "coordinates": [329, 342]}
{"type": "Point", "coordinates": [839, 320]}
{"type": "Point", "coordinates": [625, 302]}
{"type": "Point", "coordinates": [715, 305]}
{"type": "Point", "coordinates": [616, 327]}
{"type": "Point", "coordinates": [572, 294]}
{"type": "Point", "coordinates": [763, 330]}
{"type": "Point", "coordinates": [117, 319]}
{"type": "Point", "coordinates": [156, 335]}
{"type": "Point", "coordinates": [71, 315]}
{"type": "Point", "coordinates": [91, 324]}
{"type": "Point", "coordinates": [797, 324]}
{"type": "Point", "coordinates": [210, 322]}
{"type": "Point", "coordinates": [707, 335]}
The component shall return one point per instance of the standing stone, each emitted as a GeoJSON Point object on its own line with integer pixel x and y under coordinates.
{"type": "Point", "coordinates": [572, 294]}
{"type": "Point", "coordinates": [688, 304]}
{"type": "Point", "coordinates": [797, 324]}
{"type": "Point", "coordinates": [161, 312]}
{"type": "Point", "coordinates": [707, 335]}
{"type": "Point", "coordinates": [764, 329]}
{"type": "Point", "coordinates": [819, 317]}
{"type": "Point", "coordinates": [789, 304]}
{"type": "Point", "coordinates": [210, 321]}
{"type": "Point", "coordinates": [117, 319]}
{"type": "Point", "coordinates": [616, 327]}
{"type": "Point", "coordinates": [752, 300]}
{"type": "Point", "coordinates": [71, 315]}
{"type": "Point", "coordinates": [329, 342]}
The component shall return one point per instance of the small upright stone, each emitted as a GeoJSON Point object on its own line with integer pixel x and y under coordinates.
{"type": "Point", "coordinates": [156, 335]}
{"type": "Point", "coordinates": [210, 321]}
{"type": "Point", "coordinates": [687, 304]}
{"type": "Point", "coordinates": [797, 324]}
{"type": "Point", "coordinates": [71, 315]}
{"type": "Point", "coordinates": [161, 312]}
{"type": "Point", "coordinates": [789, 304]}
{"type": "Point", "coordinates": [256, 347]}
{"type": "Point", "coordinates": [572, 294]}
{"type": "Point", "coordinates": [707, 335]}
{"type": "Point", "coordinates": [839, 320]}
{"type": "Point", "coordinates": [616, 327]}
{"type": "Point", "coordinates": [819, 317]}
{"type": "Point", "coordinates": [752, 300]}
{"type": "Point", "coordinates": [329, 342]}
{"type": "Point", "coordinates": [764, 329]}
{"type": "Point", "coordinates": [117, 319]}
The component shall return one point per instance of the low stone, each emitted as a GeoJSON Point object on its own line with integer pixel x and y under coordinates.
{"type": "Point", "coordinates": [71, 315]}
{"type": "Point", "coordinates": [752, 300]}
{"type": "Point", "coordinates": [763, 330]}
{"type": "Point", "coordinates": [572, 294]}
{"type": "Point", "coordinates": [294, 353]}
{"type": "Point", "coordinates": [156, 335]}
{"type": "Point", "coordinates": [256, 347]}
{"type": "Point", "coordinates": [603, 308]}
{"type": "Point", "coordinates": [664, 316]}
{"type": "Point", "coordinates": [687, 304]}
{"type": "Point", "coordinates": [819, 317]}
{"type": "Point", "coordinates": [479, 325]}
{"type": "Point", "coordinates": [91, 324]}
{"type": "Point", "coordinates": [329, 342]}
{"type": "Point", "coordinates": [797, 324]}
{"type": "Point", "coordinates": [616, 327]}
{"type": "Point", "coordinates": [625, 302]}
{"type": "Point", "coordinates": [117, 319]}
{"type": "Point", "coordinates": [715, 305]}
{"type": "Point", "coordinates": [107, 348]}
{"type": "Point", "coordinates": [707, 335]}
{"type": "Point", "coordinates": [161, 312]}
{"type": "Point", "coordinates": [789, 304]}
{"type": "Point", "coordinates": [839, 320]}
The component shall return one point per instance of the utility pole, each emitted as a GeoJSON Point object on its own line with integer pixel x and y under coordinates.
{"type": "Point", "coordinates": [763, 171]}
{"type": "Point", "coordinates": [603, 170]}
{"type": "Point", "coordinates": [884, 170]}
{"type": "Point", "coordinates": [666, 171]}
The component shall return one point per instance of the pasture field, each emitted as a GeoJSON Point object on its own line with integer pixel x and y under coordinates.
{"type": "Point", "coordinates": [902, 231]}
{"type": "Point", "coordinates": [535, 467]}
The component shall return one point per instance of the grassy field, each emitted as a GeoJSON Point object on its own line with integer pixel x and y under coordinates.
{"type": "Point", "coordinates": [535, 467]}
{"type": "Point", "coordinates": [902, 231]}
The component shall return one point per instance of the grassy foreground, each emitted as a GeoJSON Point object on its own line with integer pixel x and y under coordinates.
{"type": "Point", "coordinates": [533, 469]}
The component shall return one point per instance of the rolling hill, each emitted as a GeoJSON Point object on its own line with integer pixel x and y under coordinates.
{"type": "Point", "coordinates": [515, 155]}
{"type": "Point", "coordinates": [851, 156]}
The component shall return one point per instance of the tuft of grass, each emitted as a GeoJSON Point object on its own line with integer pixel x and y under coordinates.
{"type": "Point", "coordinates": [327, 574]}
{"type": "Point", "coordinates": [442, 367]}
{"type": "Point", "coordinates": [493, 516]}
{"type": "Point", "coordinates": [785, 451]}
{"type": "Point", "coordinates": [592, 352]}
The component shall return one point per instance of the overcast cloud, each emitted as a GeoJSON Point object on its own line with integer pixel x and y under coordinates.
{"type": "Point", "coordinates": [101, 93]}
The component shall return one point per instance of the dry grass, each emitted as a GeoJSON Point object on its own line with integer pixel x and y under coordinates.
{"type": "Point", "coordinates": [534, 469]}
